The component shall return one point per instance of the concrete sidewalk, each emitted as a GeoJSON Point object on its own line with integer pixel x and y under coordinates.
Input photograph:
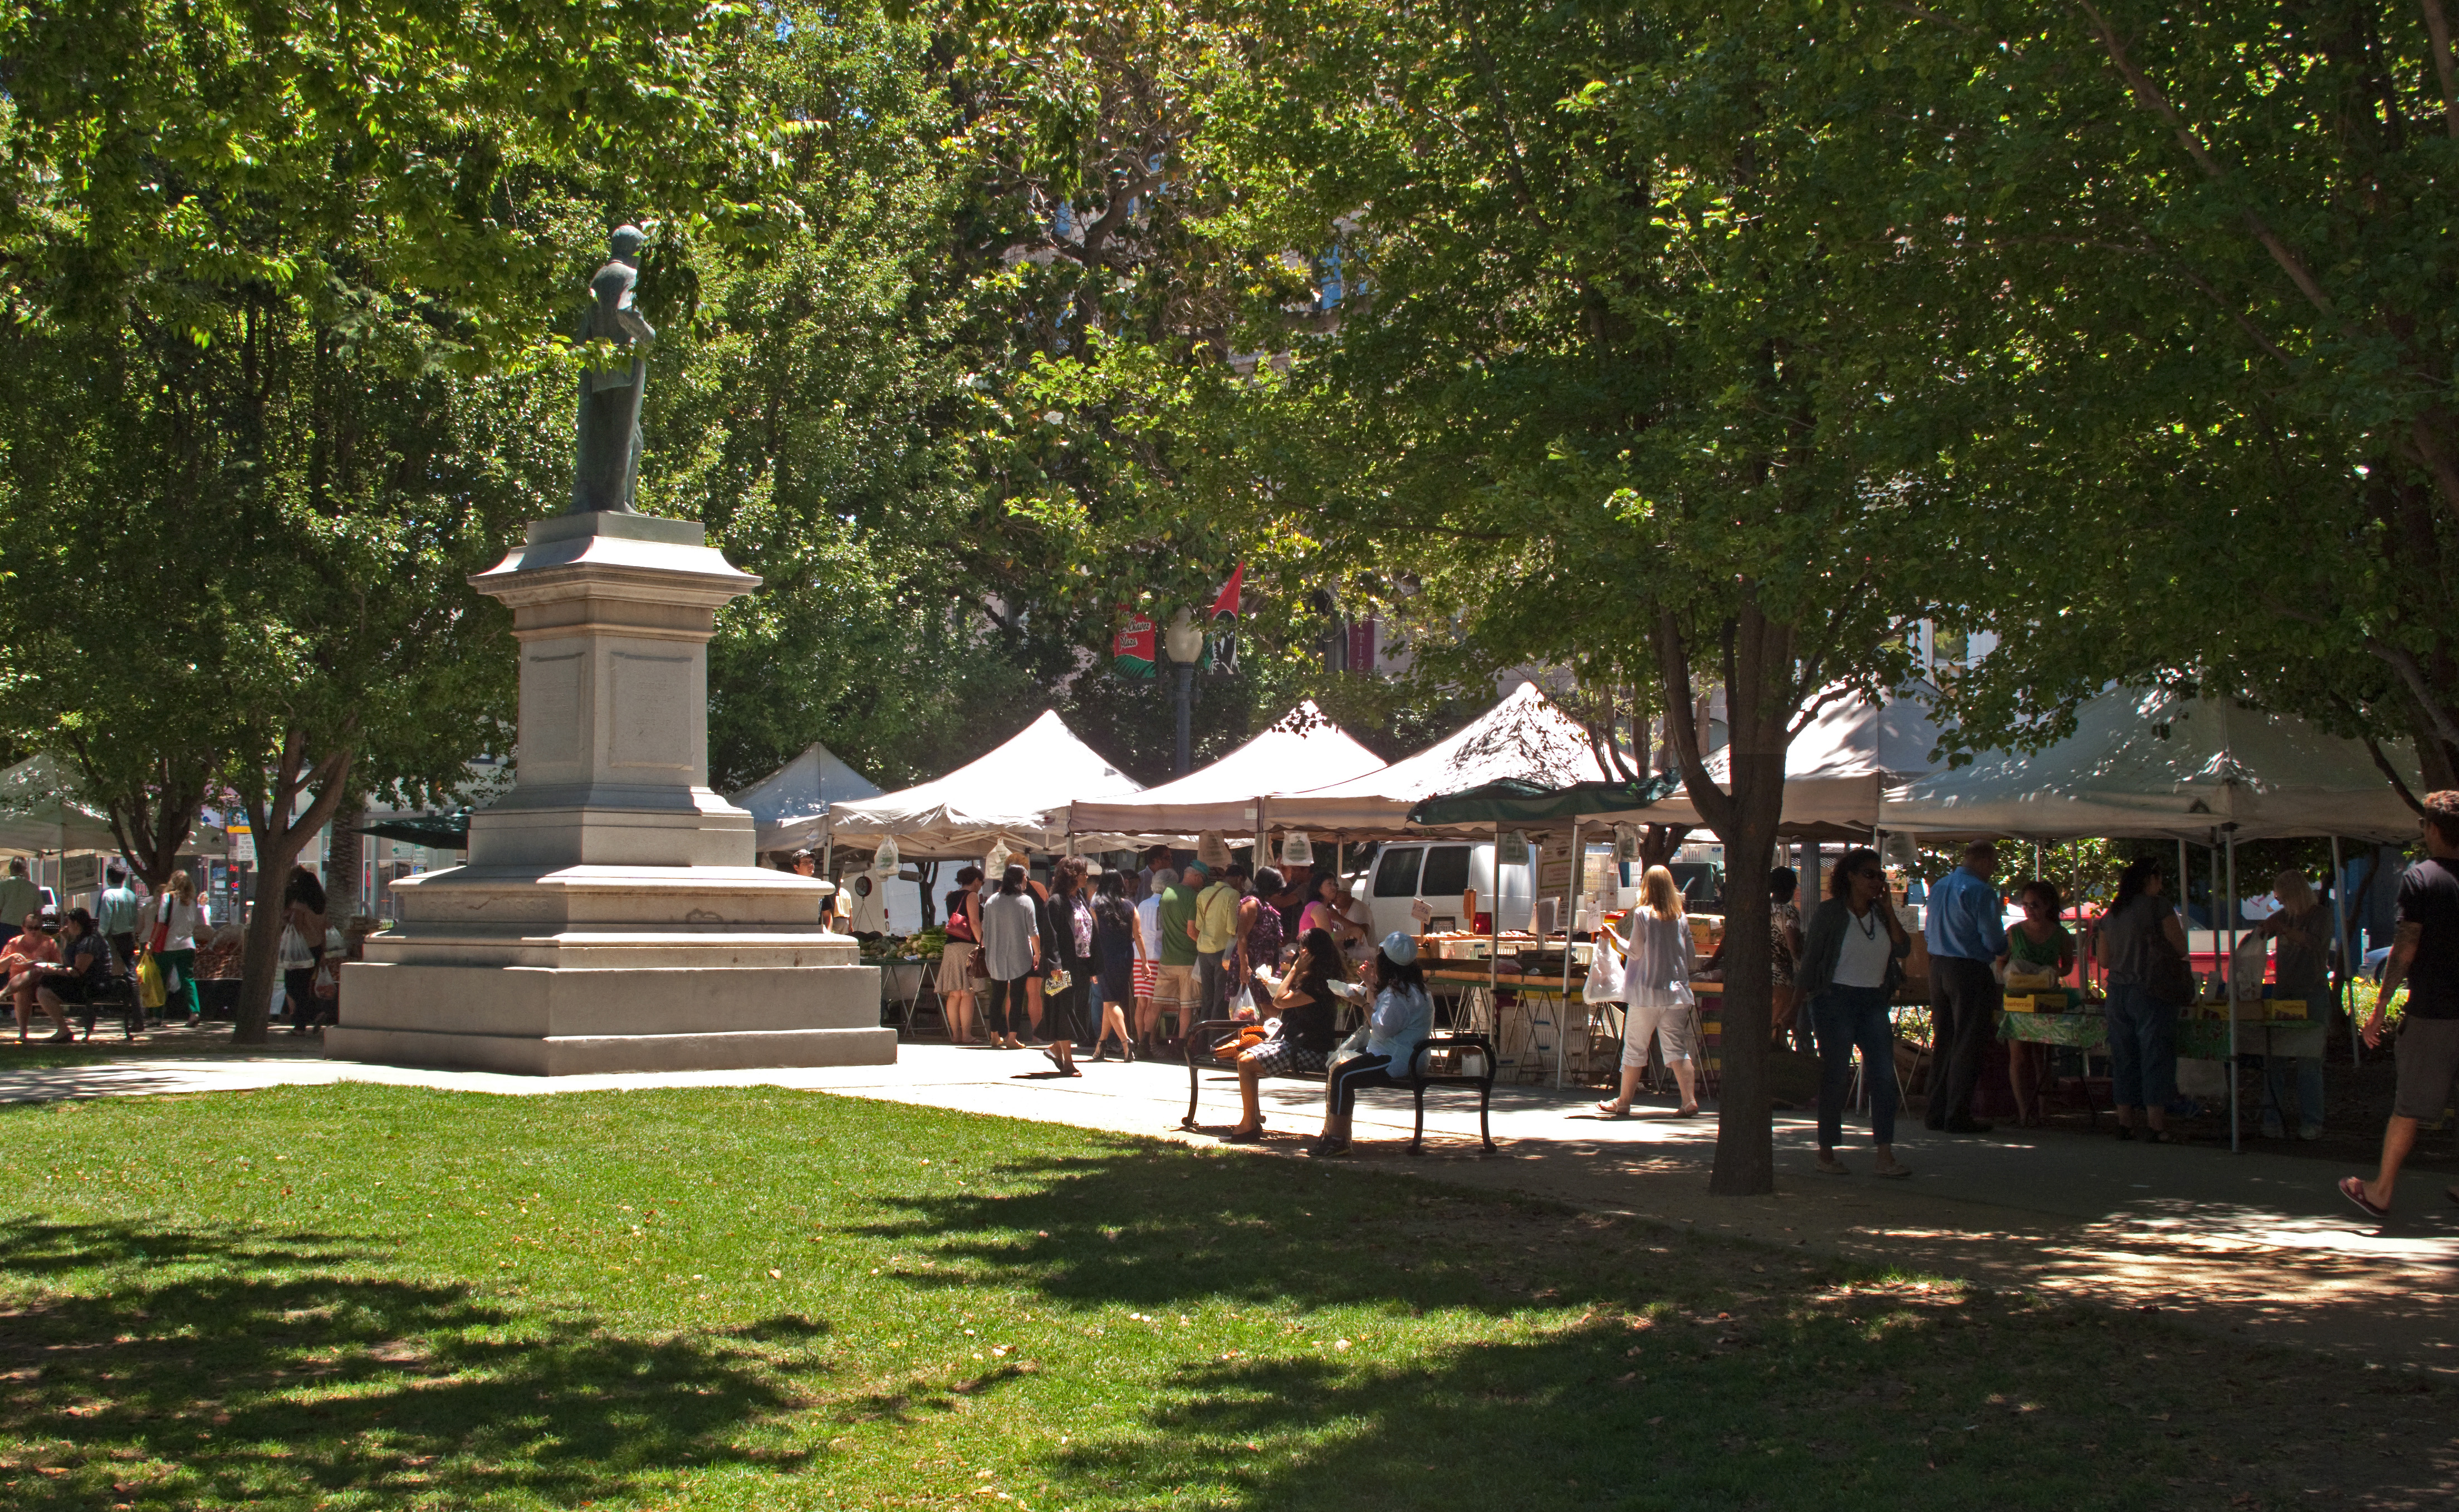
{"type": "Point", "coordinates": [2254, 1245]}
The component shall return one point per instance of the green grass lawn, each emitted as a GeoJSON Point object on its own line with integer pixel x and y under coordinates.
{"type": "Point", "coordinates": [356, 1296]}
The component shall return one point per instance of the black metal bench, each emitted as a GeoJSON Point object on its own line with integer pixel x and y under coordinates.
{"type": "Point", "coordinates": [121, 993]}
{"type": "Point", "coordinates": [1200, 1059]}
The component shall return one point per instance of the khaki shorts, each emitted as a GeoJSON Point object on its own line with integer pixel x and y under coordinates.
{"type": "Point", "coordinates": [1667, 1023]}
{"type": "Point", "coordinates": [2427, 1051]}
{"type": "Point", "coordinates": [1175, 987]}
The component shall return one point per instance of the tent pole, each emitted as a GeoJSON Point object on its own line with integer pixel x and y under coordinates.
{"type": "Point", "coordinates": [1570, 927]}
{"type": "Point", "coordinates": [2083, 958]}
{"type": "Point", "coordinates": [1494, 944]}
{"type": "Point", "coordinates": [2236, 1135]}
{"type": "Point", "coordinates": [2346, 982]}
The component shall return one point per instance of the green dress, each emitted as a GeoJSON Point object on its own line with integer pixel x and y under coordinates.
{"type": "Point", "coordinates": [2021, 951]}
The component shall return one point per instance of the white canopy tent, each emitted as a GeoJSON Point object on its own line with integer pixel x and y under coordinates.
{"type": "Point", "coordinates": [1838, 770]}
{"type": "Point", "coordinates": [42, 809]}
{"type": "Point", "coordinates": [802, 790]}
{"type": "Point", "coordinates": [2155, 763]}
{"type": "Point", "coordinates": [1011, 795]}
{"type": "Point", "coordinates": [1526, 736]}
{"type": "Point", "coordinates": [1230, 795]}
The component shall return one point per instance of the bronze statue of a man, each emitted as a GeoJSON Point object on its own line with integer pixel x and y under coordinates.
{"type": "Point", "coordinates": [608, 445]}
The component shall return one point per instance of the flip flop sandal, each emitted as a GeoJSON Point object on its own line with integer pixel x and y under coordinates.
{"type": "Point", "coordinates": [1897, 1169]}
{"type": "Point", "coordinates": [1608, 1110]}
{"type": "Point", "coordinates": [2353, 1188]}
{"type": "Point", "coordinates": [1834, 1169]}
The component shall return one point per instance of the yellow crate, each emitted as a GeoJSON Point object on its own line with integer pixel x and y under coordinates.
{"type": "Point", "coordinates": [2286, 1008]}
{"type": "Point", "coordinates": [2023, 1002]}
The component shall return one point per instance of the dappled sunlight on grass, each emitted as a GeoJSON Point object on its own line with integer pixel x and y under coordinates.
{"type": "Point", "coordinates": [382, 1298]}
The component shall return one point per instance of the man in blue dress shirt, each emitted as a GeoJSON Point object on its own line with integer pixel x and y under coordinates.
{"type": "Point", "coordinates": [1967, 933]}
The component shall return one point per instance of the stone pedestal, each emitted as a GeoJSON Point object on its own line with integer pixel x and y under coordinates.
{"type": "Point", "coordinates": [610, 917]}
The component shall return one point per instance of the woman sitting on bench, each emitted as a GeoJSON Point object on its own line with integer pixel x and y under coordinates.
{"type": "Point", "coordinates": [1403, 1019]}
{"type": "Point", "coordinates": [1304, 1000]}
{"type": "Point", "coordinates": [84, 975]}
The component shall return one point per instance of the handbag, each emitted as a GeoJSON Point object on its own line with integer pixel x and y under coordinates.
{"type": "Point", "coordinates": [162, 940]}
{"type": "Point", "coordinates": [2171, 981]}
{"type": "Point", "coordinates": [151, 992]}
{"type": "Point", "coordinates": [1239, 1044]}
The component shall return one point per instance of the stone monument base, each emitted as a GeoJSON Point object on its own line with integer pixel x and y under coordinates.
{"type": "Point", "coordinates": [590, 970]}
{"type": "Point", "coordinates": [611, 918]}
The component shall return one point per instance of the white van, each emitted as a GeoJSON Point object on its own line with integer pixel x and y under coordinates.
{"type": "Point", "coordinates": [1439, 871]}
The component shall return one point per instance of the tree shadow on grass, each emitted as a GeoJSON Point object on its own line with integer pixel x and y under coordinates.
{"type": "Point", "coordinates": [284, 1369]}
{"type": "Point", "coordinates": [1569, 1360]}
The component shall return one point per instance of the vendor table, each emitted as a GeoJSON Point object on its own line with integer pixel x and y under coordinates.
{"type": "Point", "coordinates": [2198, 1038]}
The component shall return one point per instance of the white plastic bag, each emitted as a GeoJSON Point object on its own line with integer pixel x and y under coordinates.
{"type": "Point", "coordinates": [2246, 966]}
{"type": "Point", "coordinates": [1604, 971]}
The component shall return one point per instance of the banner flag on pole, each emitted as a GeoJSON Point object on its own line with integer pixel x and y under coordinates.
{"type": "Point", "coordinates": [1135, 648]}
{"type": "Point", "coordinates": [1221, 639]}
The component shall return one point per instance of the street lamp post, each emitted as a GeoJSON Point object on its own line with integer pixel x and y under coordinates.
{"type": "Point", "coordinates": [1184, 639]}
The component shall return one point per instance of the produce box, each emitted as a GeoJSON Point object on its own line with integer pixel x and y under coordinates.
{"type": "Point", "coordinates": [2288, 1008]}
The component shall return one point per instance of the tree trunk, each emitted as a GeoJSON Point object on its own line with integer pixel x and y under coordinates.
{"type": "Point", "coordinates": [1660, 844]}
{"type": "Point", "coordinates": [345, 863]}
{"type": "Point", "coordinates": [1745, 1143]}
{"type": "Point", "coordinates": [1761, 702]}
{"type": "Point", "coordinates": [277, 851]}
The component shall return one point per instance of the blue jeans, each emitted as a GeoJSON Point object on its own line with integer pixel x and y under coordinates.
{"type": "Point", "coordinates": [1844, 1019]}
{"type": "Point", "coordinates": [2142, 1048]}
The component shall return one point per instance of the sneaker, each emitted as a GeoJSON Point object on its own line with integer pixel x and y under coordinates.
{"type": "Point", "coordinates": [2271, 1130]}
{"type": "Point", "coordinates": [2125, 1132]}
{"type": "Point", "coordinates": [2310, 1132]}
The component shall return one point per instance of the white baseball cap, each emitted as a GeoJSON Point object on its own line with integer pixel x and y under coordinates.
{"type": "Point", "coordinates": [1399, 949]}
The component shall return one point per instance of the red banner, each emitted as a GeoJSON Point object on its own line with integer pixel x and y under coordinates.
{"type": "Point", "coordinates": [1136, 646]}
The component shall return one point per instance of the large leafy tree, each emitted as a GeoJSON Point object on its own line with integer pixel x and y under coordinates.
{"type": "Point", "coordinates": [1651, 363]}
{"type": "Point", "coordinates": [2222, 235]}
{"type": "Point", "coordinates": [287, 284]}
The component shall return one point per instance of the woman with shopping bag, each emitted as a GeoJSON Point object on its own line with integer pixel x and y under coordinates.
{"type": "Point", "coordinates": [171, 925]}
{"type": "Point", "coordinates": [1658, 1003]}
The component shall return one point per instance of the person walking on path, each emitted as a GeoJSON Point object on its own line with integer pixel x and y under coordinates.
{"type": "Point", "coordinates": [18, 897]}
{"type": "Point", "coordinates": [2142, 1030]}
{"type": "Point", "coordinates": [1070, 910]}
{"type": "Point", "coordinates": [1175, 989]}
{"type": "Point", "coordinates": [1147, 971]}
{"type": "Point", "coordinates": [114, 913]}
{"type": "Point", "coordinates": [1259, 929]}
{"type": "Point", "coordinates": [1852, 957]}
{"type": "Point", "coordinates": [1012, 952]}
{"type": "Point", "coordinates": [1216, 936]}
{"type": "Point", "coordinates": [2425, 960]}
{"type": "Point", "coordinates": [1118, 945]}
{"type": "Point", "coordinates": [1657, 1000]}
{"type": "Point", "coordinates": [1966, 932]}
{"type": "Point", "coordinates": [171, 925]}
{"type": "Point", "coordinates": [1784, 955]}
{"type": "Point", "coordinates": [2301, 953]}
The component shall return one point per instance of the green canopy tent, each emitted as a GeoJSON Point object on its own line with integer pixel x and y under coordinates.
{"type": "Point", "coordinates": [444, 831]}
{"type": "Point", "coordinates": [1515, 800]}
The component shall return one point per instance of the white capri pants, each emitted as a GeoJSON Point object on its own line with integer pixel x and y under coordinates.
{"type": "Point", "coordinates": [1672, 1024]}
